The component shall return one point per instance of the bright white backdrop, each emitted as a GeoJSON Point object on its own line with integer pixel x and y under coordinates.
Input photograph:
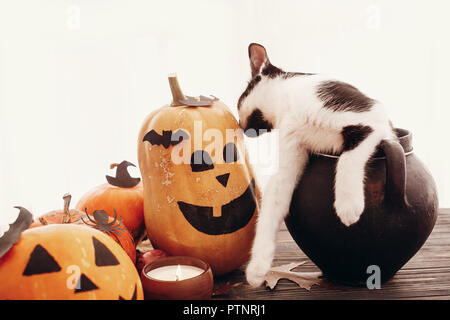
{"type": "Point", "coordinates": [78, 77]}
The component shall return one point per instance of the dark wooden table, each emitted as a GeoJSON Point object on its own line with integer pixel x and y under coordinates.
{"type": "Point", "coordinates": [425, 276]}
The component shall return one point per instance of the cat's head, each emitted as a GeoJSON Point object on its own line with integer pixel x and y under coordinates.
{"type": "Point", "coordinates": [256, 114]}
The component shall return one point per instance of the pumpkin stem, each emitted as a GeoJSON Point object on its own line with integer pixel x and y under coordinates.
{"type": "Point", "coordinates": [122, 178]}
{"type": "Point", "coordinates": [43, 221]}
{"type": "Point", "coordinates": [66, 218]}
{"type": "Point", "coordinates": [177, 94]}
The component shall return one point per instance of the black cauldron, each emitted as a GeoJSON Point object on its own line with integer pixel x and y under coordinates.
{"type": "Point", "coordinates": [401, 208]}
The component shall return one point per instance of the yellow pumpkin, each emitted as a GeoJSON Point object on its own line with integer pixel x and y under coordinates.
{"type": "Point", "coordinates": [200, 196]}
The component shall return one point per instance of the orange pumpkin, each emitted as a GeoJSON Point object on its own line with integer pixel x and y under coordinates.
{"type": "Point", "coordinates": [67, 262]}
{"type": "Point", "coordinates": [122, 193]}
{"type": "Point", "coordinates": [99, 220]}
{"type": "Point", "coordinates": [195, 205]}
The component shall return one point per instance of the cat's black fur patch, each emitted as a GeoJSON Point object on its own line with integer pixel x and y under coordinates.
{"type": "Point", "coordinates": [340, 96]}
{"type": "Point", "coordinates": [271, 71]}
{"type": "Point", "coordinates": [256, 123]}
{"type": "Point", "coordinates": [249, 88]}
{"type": "Point", "coordinates": [354, 135]}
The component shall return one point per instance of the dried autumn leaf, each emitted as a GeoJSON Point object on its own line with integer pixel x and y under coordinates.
{"type": "Point", "coordinates": [304, 279]}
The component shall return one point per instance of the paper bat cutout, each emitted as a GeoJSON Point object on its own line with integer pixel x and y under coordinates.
{"type": "Point", "coordinates": [122, 178]}
{"type": "Point", "coordinates": [10, 237]}
{"type": "Point", "coordinates": [167, 139]}
{"type": "Point", "coordinates": [304, 279]}
{"type": "Point", "coordinates": [201, 101]}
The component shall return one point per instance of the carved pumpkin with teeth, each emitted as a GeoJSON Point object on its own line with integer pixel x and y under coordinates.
{"type": "Point", "coordinates": [68, 262]}
{"type": "Point", "coordinates": [200, 197]}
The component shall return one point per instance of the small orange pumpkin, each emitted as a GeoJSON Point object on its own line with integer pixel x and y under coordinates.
{"type": "Point", "coordinates": [67, 262]}
{"type": "Point", "coordinates": [122, 193]}
{"type": "Point", "coordinates": [98, 220]}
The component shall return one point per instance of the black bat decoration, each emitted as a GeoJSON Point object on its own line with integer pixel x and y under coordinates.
{"type": "Point", "coordinates": [10, 237]}
{"type": "Point", "coordinates": [167, 139]}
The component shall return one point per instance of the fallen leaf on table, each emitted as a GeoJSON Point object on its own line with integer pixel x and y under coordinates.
{"type": "Point", "coordinates": [305, 280]}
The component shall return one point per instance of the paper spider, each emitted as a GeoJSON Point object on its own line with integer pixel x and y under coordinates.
{"type": "Point", "coordinates": [101, 223]}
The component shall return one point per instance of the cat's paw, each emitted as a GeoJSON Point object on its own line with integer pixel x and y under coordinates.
{"type": "Point", "coordinates": [256, 271]}
{"type": "Point", "coordinates": [349, 209]}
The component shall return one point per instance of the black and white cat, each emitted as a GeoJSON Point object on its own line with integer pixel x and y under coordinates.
{"type": "Point", "coordinates": [313, 113]}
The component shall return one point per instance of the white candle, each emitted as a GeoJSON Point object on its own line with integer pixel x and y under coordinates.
{"type": "Point", "coordinates": [174, 273]}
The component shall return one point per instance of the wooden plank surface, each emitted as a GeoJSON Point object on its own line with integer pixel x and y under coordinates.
{"type": "Point", "coordinates": [425, 276]}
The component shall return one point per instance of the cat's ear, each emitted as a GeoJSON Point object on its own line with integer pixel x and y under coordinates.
{"type": "Point", "coordinates": [258, 58]}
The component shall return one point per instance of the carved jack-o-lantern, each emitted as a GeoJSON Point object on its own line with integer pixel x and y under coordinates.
{"type": "Point", "coordinates": [200, 197]}
{"type": "Point", "coordinates": [67, 261]}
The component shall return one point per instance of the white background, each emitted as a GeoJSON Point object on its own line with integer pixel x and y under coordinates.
{"type": "Point", "coordinates": [77, 78]}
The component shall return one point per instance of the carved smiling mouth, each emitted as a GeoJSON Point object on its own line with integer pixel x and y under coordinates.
{"type": "Point", "coordinates": [236, 214]}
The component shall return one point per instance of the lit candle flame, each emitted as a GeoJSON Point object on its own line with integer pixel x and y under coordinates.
{"type": "Point", "coordinates": [178, 273]}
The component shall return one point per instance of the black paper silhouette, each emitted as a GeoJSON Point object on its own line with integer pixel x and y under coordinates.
{"type": "Point", "coordinates": [167, 139]}
{"type": "Point", "coordinates": [84, 284]}
{"type": "Point", "coordinates": [40, 262]}
{"type": "Point", "coordinates": [201, 161]}
{"type": "Point", "coordinates": [103, 256]}
{"type": "Point", "coordinates": [123, 178]}
{"type": "Point", "coordinates": [223, 179]}
{"type": "Point", "coordinates": [235, 215]}
{"type": "Point", "coordinates": [10, 237]}
{"type": "Point", "coordinates": [100, 222]}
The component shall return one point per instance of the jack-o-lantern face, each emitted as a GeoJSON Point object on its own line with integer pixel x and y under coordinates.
{"type": "Point", "coordinates": [68, 262]}
{"type": "Point", "coordinates": [200, 197]}
{"type": "Point", "coordinates": [225, 218]}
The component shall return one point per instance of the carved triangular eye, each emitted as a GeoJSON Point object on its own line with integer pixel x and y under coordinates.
{"type": "Point", "coordinates": [40, 262]}
{"type": "Point", "coordinates": [230, 153]}
{"type": "Point", "coordinates": [103, 256]}
{"type": "Point", "coordinates": [201, 161]}
{"type": "Point", "coordinates": [85, 284]}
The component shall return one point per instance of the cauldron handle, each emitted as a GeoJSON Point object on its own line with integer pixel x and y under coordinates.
{"type": "Point", "coordinates": [395, 172]}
